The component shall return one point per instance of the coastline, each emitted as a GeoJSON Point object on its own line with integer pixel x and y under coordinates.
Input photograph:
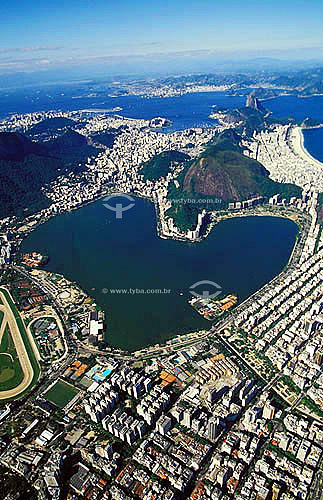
{"type": "Point", "coordinates": [296, 141]}
{"type": "Point", "coordinates": [195, 336]}
{"type": "Point", "coordinates": [115, 349]}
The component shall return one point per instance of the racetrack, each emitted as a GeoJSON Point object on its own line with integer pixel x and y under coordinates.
{"type": "Point", "coordinates": [22, 354]}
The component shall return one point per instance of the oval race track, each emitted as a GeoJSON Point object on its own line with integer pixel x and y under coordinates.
{"type": "Point", "coordinates": [22, 354]}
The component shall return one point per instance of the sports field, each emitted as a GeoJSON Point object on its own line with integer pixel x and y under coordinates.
{"type": "Point", "coordinates": [61, 394]}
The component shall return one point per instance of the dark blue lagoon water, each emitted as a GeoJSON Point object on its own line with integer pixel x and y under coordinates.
{"type": "Point", "coordinates": [98, 251]}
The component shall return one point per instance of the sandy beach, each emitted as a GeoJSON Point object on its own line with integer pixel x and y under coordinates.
{"type": "Point", "coordinates": [281, 151]}
{"type": "Point", "coordinates": [296, 142]}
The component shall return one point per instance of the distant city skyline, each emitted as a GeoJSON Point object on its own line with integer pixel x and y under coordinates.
{"type": "Point", "coordinates": [55, 35]}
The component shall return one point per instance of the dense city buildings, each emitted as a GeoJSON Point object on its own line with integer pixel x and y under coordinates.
{"type": "Point", "coordinates": [230, 412]}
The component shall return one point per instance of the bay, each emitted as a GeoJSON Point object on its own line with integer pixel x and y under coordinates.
{"type": "Point", "coordinates": [187, 111]}
{"type": "Point", "coordinates": [190, 110]}
{"type": "Point", "coordinates": [301, 108]}
{"type": "Point", "coordinates": [296, 107]}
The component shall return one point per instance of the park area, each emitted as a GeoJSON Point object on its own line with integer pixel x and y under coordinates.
{"type": "Point", "coordinates": [61, 393]}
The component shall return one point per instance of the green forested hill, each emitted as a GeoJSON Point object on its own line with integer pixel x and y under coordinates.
{"type": "Point", "coordinates": [159, 165]}
{"type": "Point", "coordinates": [26, 166]}
{"type": "Point", "coordinates": [221, 175]}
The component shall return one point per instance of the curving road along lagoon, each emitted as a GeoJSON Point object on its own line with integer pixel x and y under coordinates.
{"type": "Point", "coordinates": [142, 282]}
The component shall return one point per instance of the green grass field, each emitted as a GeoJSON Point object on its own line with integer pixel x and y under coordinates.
{"type": "Point", "coordinates": [61, 394]}
{"type": "Point", "coordinates": [30, 352]}
{"type": "Point", "coordinates": [10, 370]}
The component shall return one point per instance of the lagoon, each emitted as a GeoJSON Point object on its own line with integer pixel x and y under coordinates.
{"type": "Point", "coordinates": [104, 254]}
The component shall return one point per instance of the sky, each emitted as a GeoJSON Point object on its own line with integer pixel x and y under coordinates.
{"type": "Point", "coordinates": [38, 35]}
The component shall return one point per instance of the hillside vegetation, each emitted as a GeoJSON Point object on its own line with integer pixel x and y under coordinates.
{"type": "Point", "coordinates": [221, 175]}
{"type": "Point", "coordinates": [159, 165]}
{"type": "Point", "coordinates": [26, 166]}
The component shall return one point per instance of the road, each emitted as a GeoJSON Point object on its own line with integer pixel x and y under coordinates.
{"type": "Point", "coordinates": [317, 486]}
{"type": "Point", "coordinates": [167, 349]}
{"type": "Point", "coordinates": [22, 354]}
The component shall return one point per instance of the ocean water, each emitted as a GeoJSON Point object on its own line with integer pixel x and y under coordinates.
{"type": "Point", "coordinates": [313, 142]}
{"type": "Point", "coordinates": [191, 110]}
{"type": "Point", "coordinates": [301, 108]}
{"type": "Point", "coordinates": [99, 252]}
{"type": "Point", "coordinates": [102, 254]}
{"type": "Point", "coordinates": [296, 107]}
